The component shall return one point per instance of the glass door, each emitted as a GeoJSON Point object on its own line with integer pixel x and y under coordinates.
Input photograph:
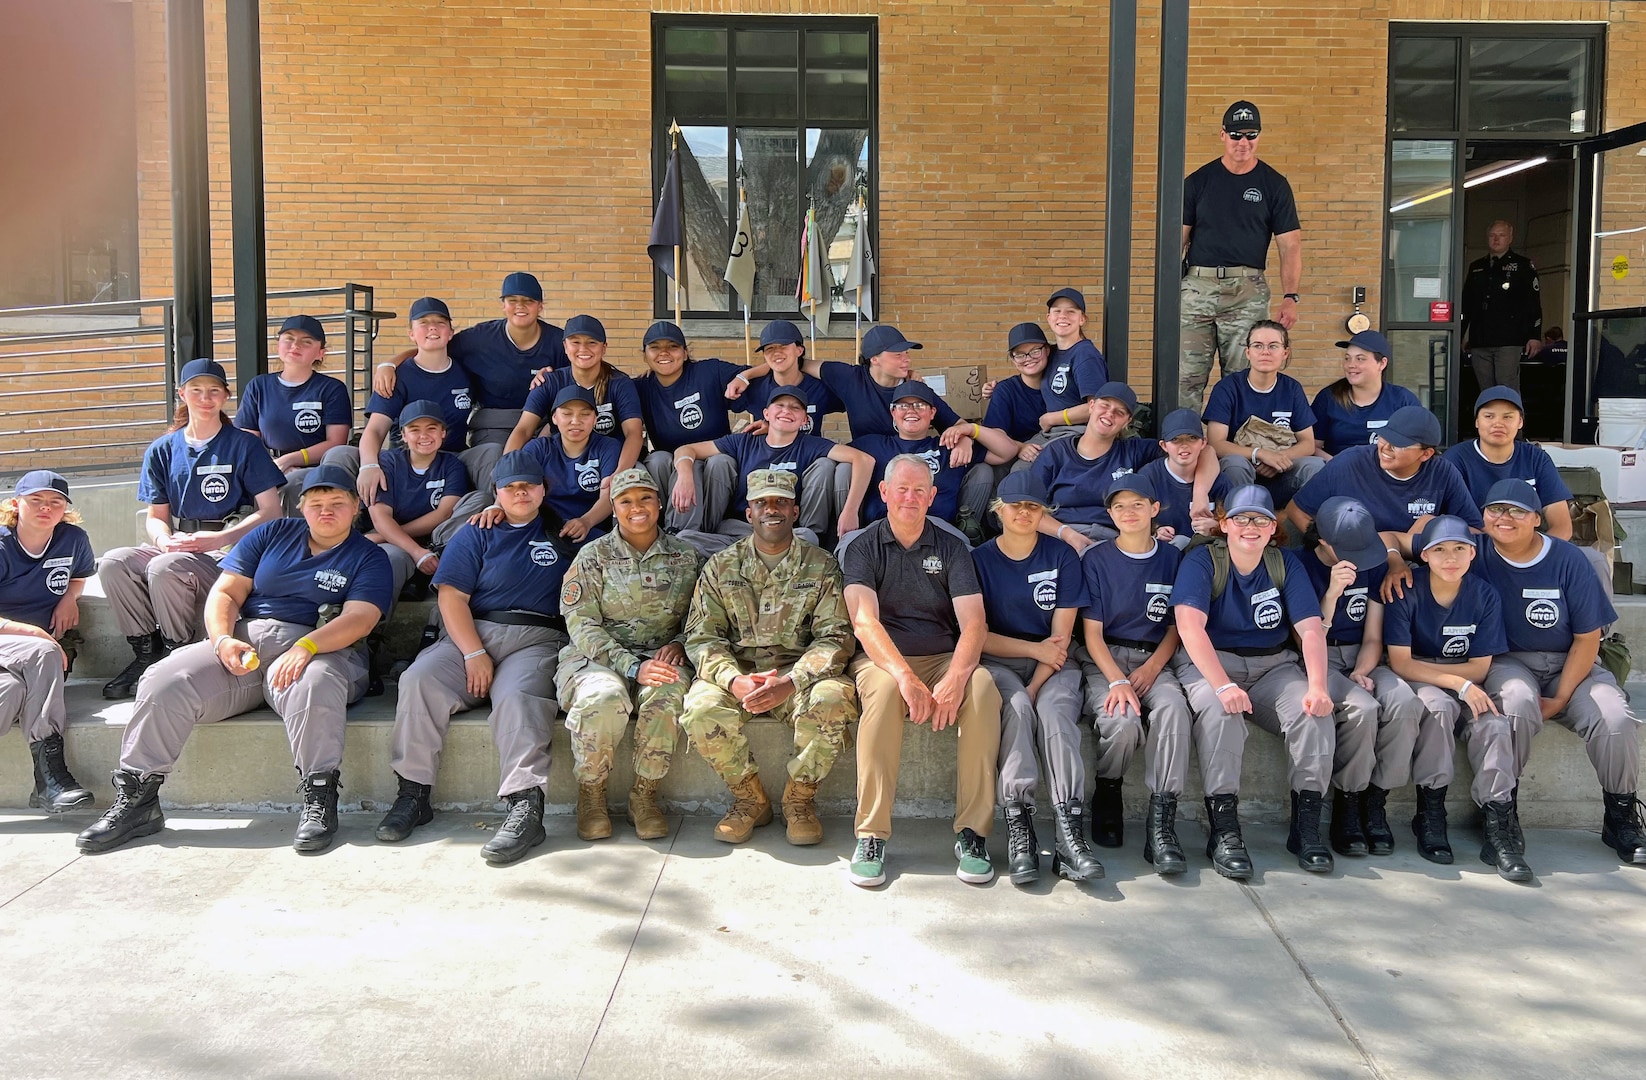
{"type": "Point", "coordinates": [1419, 316]}
{"type": "Point", "coordinates": [1608, 334]}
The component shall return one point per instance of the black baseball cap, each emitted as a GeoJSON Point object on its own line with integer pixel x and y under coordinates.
{"type": "Point", "coordinates": [1025, 333]}
{"type": "Point", "coordinates": [663, 330]}
{"type": "Point", "coordinates": [1499, 393]}
{"type": "Point", "coordinates": [1411, 425]}
{"type": "Point", "coordinates": [914, 388]}
{"type": "Point", "coordinates": [586, 326]}
{"type": "Point", "coordinates": [575, 393]}
{"type": "Point", "coordinates": [796, 392]}
{"type": "Point", "coordinates": [203, 366]}
{"type": "Point", "coordinates": [885, 338]}
{"type": "Point", "coordinates": [521, 283]}
{"type": "Point", "coordinates": [306, 324]}
{"type": "Point", "coordinates": [1371, 341]}
{"type": "Point", "coordinates": [781, 332]}
{"type": "Point", "coordinates": [421, 409]}
{"type": "Point", "coordinates": [1073, 296]}
{"type": "Point", "coordinates": [428, 305]}
{"type": "Point", "coordinates": [1120, 392]}
{"type": "Point", "coordinates": [1242, 116]}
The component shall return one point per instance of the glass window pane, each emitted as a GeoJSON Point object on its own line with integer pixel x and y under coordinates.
{"type": "Point", "coordinates": [836, 161]}
{"type": "Point", "coordinates": [769, 159]}
{"type": "Point", "coordinates": [1421, 363]}
{"type": "Point", "coordinates": [1420, 227]}
{"type": "Point", "coordinates": [837, 76]}
{"type": "Point", "coordinates": [1528, 84]}
{"type": "Point", "coordinates": [694, 73]}
{"type": "Point", "coordinates": [705, 190]}
{"type": "Point", "coordinates": [767, 74]}
{"type": "Point", "coordinates": [1620, 230]}
{"type": "Point", "coordinates": [1423, 84]}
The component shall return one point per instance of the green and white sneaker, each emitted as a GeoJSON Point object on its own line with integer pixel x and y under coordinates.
{"type": "Point", "coordinates": [973, 852]}
{"type": "Point", "coordinates": [868, 867]}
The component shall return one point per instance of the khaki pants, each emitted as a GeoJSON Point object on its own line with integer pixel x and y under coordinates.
{"type": "Point", "coordinates": [880, 744]}
{"type": "Point", "coordinates": [1215, 317]}
{"type": "Point", "coordinates": [1497, 365]}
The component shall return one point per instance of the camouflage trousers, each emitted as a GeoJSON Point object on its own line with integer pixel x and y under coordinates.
{"type": "Point", "coordinates": [1215, 316]}
{"type": "Point", "coordinates": [599, 702]}
{"type": "Point", "coordinates": [714, 723]}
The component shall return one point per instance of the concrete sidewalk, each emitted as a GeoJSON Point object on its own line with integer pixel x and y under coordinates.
{"type": "Point", "coordinates": [213, 950]}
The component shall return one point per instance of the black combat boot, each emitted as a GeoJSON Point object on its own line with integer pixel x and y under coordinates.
{"type": "Point", "coordinates": [1108, 814]}
{"type": "Point", "coordinates": [1160, 843]}
{"type": "Point", "coordinates": [1225, 846]}
{"type": "Point", "coordinates": [1505, 844]}
{"type": "Point", "coordinates": [1621, 830]}
{"type": "Point", "coordinates": [1429, 825]}
{"type": "Point", "coordinates": [55, 788]}
{"type": "Point", "coordinates": [1304, 840]}
{"type": "Point", "coordinates": [1374, 818]}
{"type": "Point", "coordinates": [1071, 857]}
{"type": "Point", "coordinates": [146, 650]}
{"type": "Point", "coordinates": [317, 821]}
{"type": "Point", "coordinates": [1022, 846]}
{"type": "Point", "coordinates": [521, 830]}
{"type": "Point", "coordinates": [1348, 838]}
{"type": "Point", "coordinates": [411, 808]}
{"type": "Point", "coordinates": [135, 812]}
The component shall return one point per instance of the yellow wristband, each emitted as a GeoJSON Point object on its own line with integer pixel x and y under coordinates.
{"type": "Point", "coordinates": [1066, 419]}
{"type": "Point", "coordinates": [305, 452]}
{"type": "Point", "coordinates": [305, 643]}
{"type": "Point", "coordinates": [977, 429]}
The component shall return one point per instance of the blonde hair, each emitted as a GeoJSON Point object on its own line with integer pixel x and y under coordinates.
{"type": "Point", "coordinates": [9, 513]}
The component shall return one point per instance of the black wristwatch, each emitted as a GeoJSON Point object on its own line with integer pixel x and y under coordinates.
{"type": "Point", "coordinates": [1293, 297]}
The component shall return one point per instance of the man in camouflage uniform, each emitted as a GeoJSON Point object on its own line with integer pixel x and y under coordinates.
{"type": "Point", "coordinates": [768, 633]}
{"type": "Point", "coordinates": [625, 600]}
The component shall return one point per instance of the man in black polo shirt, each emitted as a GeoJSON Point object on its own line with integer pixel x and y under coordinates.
{"type": "Point", "coordinates": [1231, 207]}
{"type": "Point", "coordinates": [1502, 310]}
{"type": "Point", "coordinates": [917, 611]}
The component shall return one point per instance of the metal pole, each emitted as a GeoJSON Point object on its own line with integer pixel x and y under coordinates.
{"type": "Point", "coordinates": [251, 284]}
{"type": "Point", "coordinates": [1117, 208]}
{"type": "Point", "coordinates": [190, 192]}
{"type": "Point", "coordinates": [1168, 272]}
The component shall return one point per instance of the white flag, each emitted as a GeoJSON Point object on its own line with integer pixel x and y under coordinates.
{"type": "Point", "coordinates": [860, 267]}
{"type": "Point", "coordinates": [740, 267]}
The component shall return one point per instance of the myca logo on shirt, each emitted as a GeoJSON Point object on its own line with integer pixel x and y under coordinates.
{"type": "Point", "coordinates": [1060, 379]}
{"type": "Point", "coordinates": [543, 553]}
{"type": "Point", "coordinates": [1421, 507]}
{"type": "Point", "coordinates": [57, 574]}
{"type": "Point", "coordinates": [691, 413]}
{"type": "Point", "coordinates": [1252, 194]}
{"type": "Point", "coordinates": [1544, 610]}
{"type": "Point", "coordinates": [1044, 585]}
{"type": "Point", "coordinates": [307, 419]}
{"type": "Point", "coordinates": [1124, 470]}
{"type": "Point", "coordinates": [605, 420]}
{"type": "Point", "coordinates": [933, 459]}
{"type": "Point", "coordinates": [461, 399]}
{"type": "Point", "coordinates": [331, 580]}
{"type": "Point", "coordinates": [588, 474]}
{"type": "Point", "coordinates": [932, 564]}
{"type": "Point", "coordinates": [1282, 420]}
{"type": "Point", "coordinates": [1266, 610]}
{"type": "Point", "coordinates": [1160, 601]}
{"type": "Point", "coordinates": [1457, 640]}
{"type": "Point", "coordinates": [214, 481]}
{"type": "Point", "coordinates": [1355, 604]}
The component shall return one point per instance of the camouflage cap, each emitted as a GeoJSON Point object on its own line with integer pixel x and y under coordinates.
{"type": "Point", "coordinates": [766, 483]}
{"type": "Point", "coordinates": [632, 478]}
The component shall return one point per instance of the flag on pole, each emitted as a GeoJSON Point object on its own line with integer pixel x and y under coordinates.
{"type": "Point", "coordinates": [740, 267]}
{"type": "Point", "coordinates": [667, 233]}
{"type": "Point", "coordinates": [860, 268]}
{"type": "Point", "coordinates": [816, 283]}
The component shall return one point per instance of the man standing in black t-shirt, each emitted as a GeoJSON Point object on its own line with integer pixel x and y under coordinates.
{"type": "Point", "coordinates": [1231, 207]}
{"type": "Point", "coordinates": [1502, 310]}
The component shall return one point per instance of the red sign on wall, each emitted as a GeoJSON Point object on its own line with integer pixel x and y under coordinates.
{"type": "Point", "coordinates": [1440, 311]}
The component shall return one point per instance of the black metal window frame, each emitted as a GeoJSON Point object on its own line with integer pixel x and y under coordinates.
{"type": "Point", "coordinates": [662, 293]}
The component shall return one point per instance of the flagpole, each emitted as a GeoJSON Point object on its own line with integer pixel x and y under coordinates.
{"type": "Point", "coordinates": [857, 318]}
{"type": "Point", "coordinates": [748, 341]}
{"type": "Point", "coordinates": [674, 135]}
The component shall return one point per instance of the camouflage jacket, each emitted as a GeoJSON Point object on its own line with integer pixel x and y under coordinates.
{"type": "Point", "coordinates": [621, 605]}
{"type": "Point", "coordinates": [745, 618]}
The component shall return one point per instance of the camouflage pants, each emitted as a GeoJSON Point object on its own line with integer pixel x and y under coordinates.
{"type": "Point", "coordinates": [598, 703]}
{"type": "Point", "coordinates": [1215, 317]}
{"type": "Point", "coordinates": [714, 724]}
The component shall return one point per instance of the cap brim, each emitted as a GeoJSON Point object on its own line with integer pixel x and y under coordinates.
{"type": "Point", "coordinates": [1251, 508]}
{"type": "Point", "coordinates": [1366, 558]}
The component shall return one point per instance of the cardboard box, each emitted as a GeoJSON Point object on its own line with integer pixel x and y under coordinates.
{"type": "Point", "coordinates": [1622, 470]}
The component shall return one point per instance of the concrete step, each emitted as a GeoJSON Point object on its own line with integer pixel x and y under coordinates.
{"type": "Point", "coordinates": [245, 763]}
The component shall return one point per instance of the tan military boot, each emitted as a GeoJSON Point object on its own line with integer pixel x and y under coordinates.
{"type": "Point", "coordinates": [801, 813]}
{"type": "Point", "coordinates": [750, 809]}
{"type": "Point", "coordinates": [647, 819]}
{"type": "Point", "coordinates": [594, 821]}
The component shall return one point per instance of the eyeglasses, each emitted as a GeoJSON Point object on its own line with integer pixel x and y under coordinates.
{"type": "Point", "coordinates": [1513, 513]}
{"type": "Point", "coordinates": [1238, 135]}
{"type": "Point", "coordinates": [1251, 521]}
{"type": "Point", "coordinates": [909, 406]}
{"type": "Point", "coordinates": [1266, 346]}
{"type": "Point", "coordinates": [1033, 353]}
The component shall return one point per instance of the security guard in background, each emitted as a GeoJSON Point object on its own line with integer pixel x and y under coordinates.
{"type": "Point", "coordinates": [1502, 310]}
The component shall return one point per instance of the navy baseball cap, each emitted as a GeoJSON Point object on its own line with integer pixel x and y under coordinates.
{"type": "Point", "coordinates": [1515, 493]}
{"type": "Point", "coordinates": [1346, 524]}
{"type": "Point", "coordinates": [421, 409]}
{"type": "Point", "coordinates": [885, 338]}
{"type": "Point", "coordinates": [1134, 482]}
{"type": "Point", "coordinates": [521, 283]}
{"type": "Point", "coordinates": [1120, 392]}
{"type": "Point", "coordinates": [914, 388]}
{"type": "Point", "coordinates": [429, 305]}
{"type": "Point", "coordinates": [1180, 422]}
{"type": "Point", "coordinates": [1442, 528]}
{"type": "Point", "coordinates": [1242, 116]}
{"type": "Point", "coordinates": [586, 325]}
{"type": "Point", "coordinates": [1073, 296]}
{"type": "Point", "coordinates": [1371, 341]}
{"type": "Point", "coordinates": [1021, 487]}
{"type": "Point", "coordinates": [195, 369]}
{"type": "Point", "coordinates": [306, 324]}
{"type": "Point", "coordinates": [42, 480]}
{"type": "Point", "coordinates": [518, 467]}
{"type": "Point", "coordinates": [663, 331]}
{"type": "Point", "coordinates": [781, 332]}
{"type": "Point", "coordinates": [796, 392]}
{"type": "Point", "coordinates": [328, 476]}
{"type": "Point", "coordinates": [575, 393]}
{"type": "Point", "coordinates": [1025, 333]}
{"type": "Point", "coordinates": [1499, 393]}
{"type": "Point", "coordinates": [1411, 425]}
{"type": "Point", "coordinates": [1250, 499]}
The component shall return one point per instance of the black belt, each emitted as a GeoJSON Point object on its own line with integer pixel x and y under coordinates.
{"type": "Point", "coordinates": [196, 524]}
{"type": "Point", "coordinates": [1258, 652]}
{"type": "Point", "coordinates": [1340, 642]}
{"type": "Point", "coordinates": [524, 618]}
{"type": "Point", "coordinates": [1131, 643]}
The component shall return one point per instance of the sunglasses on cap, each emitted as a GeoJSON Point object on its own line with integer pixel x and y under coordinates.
{"type": "Point", "coordinates": [1238, 135]}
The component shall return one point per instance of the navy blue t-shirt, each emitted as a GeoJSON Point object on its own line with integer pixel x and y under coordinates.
{"type": "Point", "coordinates": [1233, 402]}
{"type": "Point", "coordinates": [1338, 427]}
{"type": "Point", "coordinates": [412, 494]}
{"type": "Point", "coordinates": [1020, 596]}
{"type": "Point", "coordinates": [506, 567]}
{"type": "Point", "coordinates": [1548, 602]}
{"type": "Point", "coordinates": [1015, 407]}
{"type": "Point", "coordinates": [947, 477]}
{"type": "Point", "coordinates": [1077, 484]}
{"type": "Point", "coordinates": [1472, 627]}
{"type": "Point", "coordinates": [1436, 488]}
{"type": "Point", "coordinates": [1529, 463]}
{"type": "Point", "coordinates": [1348, 625]}
{"type": "Point", "coordinates": [292, 585]}
{"type": "Point", "coordinates": [867, 404]}
{"type": "Point", "coordinates": [821, 400]}
{"type": "Point", "coordinates": [753, 452]}
{"type": "Point", "coordinates": [291, 418]}
{"type": "Point", "coordinates": [503, 373]}
{"type": "Point", "coordinates": [1177, 496]}
{"type": "Point", "coordinates": [30, 587]}
{"type": "Point", "coordinates": [622, 400]}
{"type": "Point", "coordinates": [229, 472]}
{"type": "Point", "coordinates": [1073, 375]}
{"type": "Point", "coordinates": [1131, 595]}
{"type": "Point", "coordinates": [692, 409]}
{"type": "Point", "coordinates": [451, 388]}
{"type": "Point", "coordinates": [1251, 613]}
{"type": "Point", "coordinates": [574, 482]}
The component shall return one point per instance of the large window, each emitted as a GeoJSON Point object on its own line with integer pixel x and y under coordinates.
{"type": "Point", "coordinates": [783, 107]}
